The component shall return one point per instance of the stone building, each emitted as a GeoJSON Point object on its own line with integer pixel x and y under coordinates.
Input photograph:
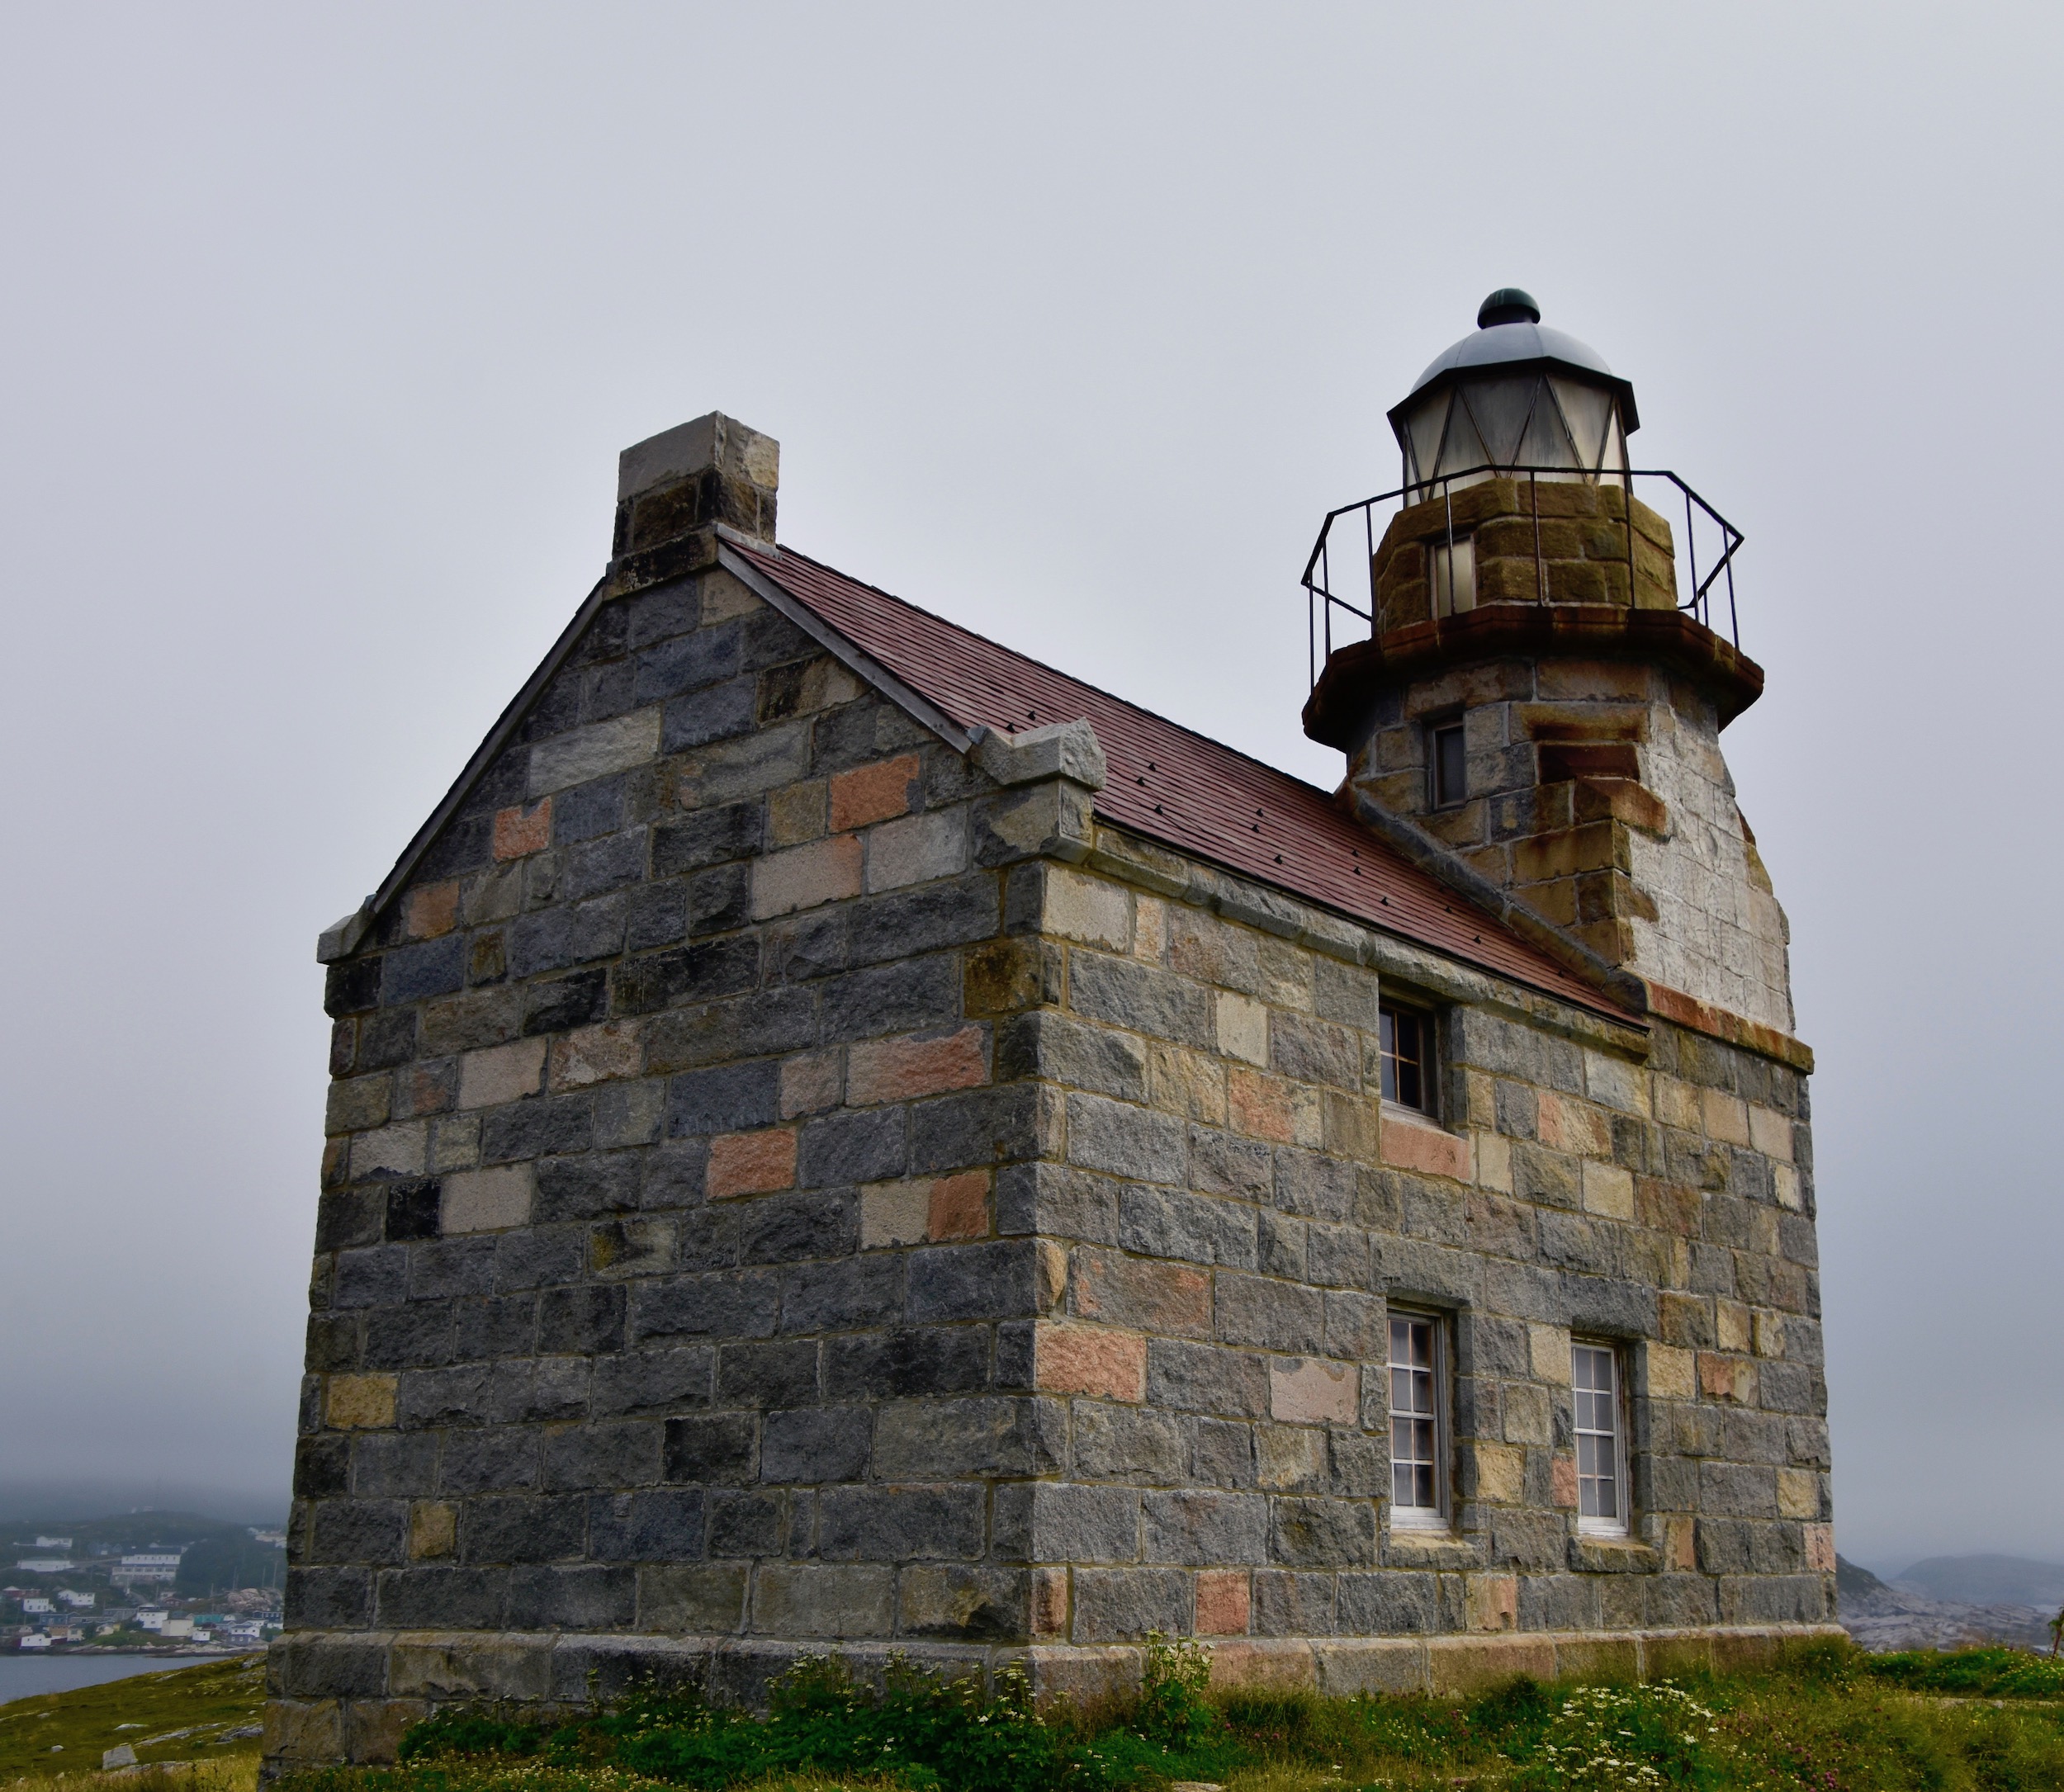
{"type": "Point", "coordinates": [844, 1135]}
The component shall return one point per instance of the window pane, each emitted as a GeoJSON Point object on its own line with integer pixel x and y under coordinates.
{"type": "Point", "coordinates": [1410, 1092]}
{"type": "Point", "coordinates": [1414, 1424]}
{"type": "Point", "coordinates": [1450, 766]}
{"type": "Point", "coordinates": [1594, 1375]}
{"type": "Point", "coordinates": [1402, 1043]}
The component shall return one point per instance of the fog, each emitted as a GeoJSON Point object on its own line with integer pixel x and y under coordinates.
{"type": "Point", "coordinates": [322, 327]}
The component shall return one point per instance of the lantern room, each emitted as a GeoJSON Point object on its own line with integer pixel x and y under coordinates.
{"type": "Point", "coordinates": [1515, 395]}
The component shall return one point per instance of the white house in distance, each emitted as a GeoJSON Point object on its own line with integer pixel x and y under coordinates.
{"type": "Point", "coordinates": [146, 1568]}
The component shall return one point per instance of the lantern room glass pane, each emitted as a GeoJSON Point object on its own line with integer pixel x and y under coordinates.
{"type": "Point", "coordinates": [1589, 413]}
{"type": "Point", "coordinates": [1614, 460]}
{"type": "Point", "coordinates": [1500, 409]}
{"type": "Point", "coordinates": [1462, 448]}
{"type": "Point", "coordinates": [1547, 442]}
{"type": "Point", "coordinates": [1423, 428]}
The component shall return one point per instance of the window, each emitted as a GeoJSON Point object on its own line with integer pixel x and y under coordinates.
{"type": "Point", "coordinates": [1448, 763]}
{"type": "Point", "coordinates": [1405, 1042]}
{"type": "Point", "coordinates": [1451, 569]}
{"type": "Point", "coordinates": [1418, 1476]}
{"type": "Point", "coordinates": [1601, 1440]}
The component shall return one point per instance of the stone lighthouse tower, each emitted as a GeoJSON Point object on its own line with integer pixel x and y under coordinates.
{"type": "Point", "coordinates": [1540, 702]}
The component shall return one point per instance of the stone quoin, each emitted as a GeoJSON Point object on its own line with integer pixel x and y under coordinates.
{"type": "Point", "coordinates": [842, 1135]}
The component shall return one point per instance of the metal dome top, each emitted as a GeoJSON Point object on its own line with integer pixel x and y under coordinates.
{"type": "Point", "coordinates": [1507, 337]}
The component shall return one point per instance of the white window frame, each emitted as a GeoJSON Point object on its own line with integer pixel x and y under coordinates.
{"type": "Point", "coordinates": [1596, 1525]}
{"type": "Point", "coordinates": [1436, 1516]}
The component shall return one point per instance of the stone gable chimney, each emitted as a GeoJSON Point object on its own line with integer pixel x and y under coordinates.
{"type": "Point", "coordinates": [676, 490]}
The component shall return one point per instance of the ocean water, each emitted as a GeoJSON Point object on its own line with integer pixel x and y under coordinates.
{"type": "Point", "coordinates": [23, 1675]}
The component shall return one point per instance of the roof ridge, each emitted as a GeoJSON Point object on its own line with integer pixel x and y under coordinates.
{"type": "Point", "coordinates": [974, 634]}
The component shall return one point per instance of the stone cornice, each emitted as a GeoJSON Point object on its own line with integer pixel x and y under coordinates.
{"type": "Point", "coordinates": [1341, 702]}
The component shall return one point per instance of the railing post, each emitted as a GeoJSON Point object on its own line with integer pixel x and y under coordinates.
{"type": "Point", "coordinates": [1540, 572]}
{"type": "Point", "coordinates": [1691, 549]}
{"type": "Point", "coordinates": [1447, 499]}
{"type": "Point", "coordinates": [1633, 579]}
{"type": "Point", "coordinates": [1734, 622]}
{"type": "Point", "coordinates": [1369, 540]}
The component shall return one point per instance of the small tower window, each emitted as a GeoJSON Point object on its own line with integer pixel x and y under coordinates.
{"type": "Point", "coordinates": [1419, 1394]}
{"type": "Point", "coordinates": [1451, 566]}
{"type": "Point", "coordinates": [1403, 1039]}
{"type": "Point", "coordinates": [1601, 1440]}
{"type": "Point", "coordinates": [1449, 765]}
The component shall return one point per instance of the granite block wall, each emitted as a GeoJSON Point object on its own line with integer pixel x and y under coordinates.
{"type": "Point", "coordinates": [1240, 1208]}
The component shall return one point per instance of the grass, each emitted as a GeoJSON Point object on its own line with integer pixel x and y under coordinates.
{"type": "Point", "coordinates": [1828, 1719]}
{"type": "Point", "coordinates": [172, 1716]}
{"type": "Point", "coordinates": [237, 1773]}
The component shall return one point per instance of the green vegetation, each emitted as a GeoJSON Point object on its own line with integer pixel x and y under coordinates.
{"type": "Point", "coordinates": [180, 1715]}
{"type": "Point", "coordinates": [1828, 1719]}
{"type": "Point", "coordinates": [1993, 1673]}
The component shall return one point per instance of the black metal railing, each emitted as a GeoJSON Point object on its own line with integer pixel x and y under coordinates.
{"type": "Point", "coordinates": [1722, 537]}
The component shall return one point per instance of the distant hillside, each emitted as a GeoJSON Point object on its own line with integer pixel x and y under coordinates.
{"type": "Point", "coordinates": [1989, 1580]}
{"type": "Point", "coordinates": [1851, 1581]}
{"type": "Point", "coordinates": [1902, 1616]}
{"type": "Point", "coordinates": [127, 1530]}
{"type": "Point", "coordinates": [66, 1502]}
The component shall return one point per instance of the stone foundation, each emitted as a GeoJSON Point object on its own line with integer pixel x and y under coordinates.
{"type": "Point", "coordinates": [351, 1696]}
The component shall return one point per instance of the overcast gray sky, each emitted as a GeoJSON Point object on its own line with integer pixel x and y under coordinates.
{"type": "Point", "coordinates": [322, 327]}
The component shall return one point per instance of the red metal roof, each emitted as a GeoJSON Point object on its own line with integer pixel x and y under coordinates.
{"type": "Point", "coordinates": [1175, 786]}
